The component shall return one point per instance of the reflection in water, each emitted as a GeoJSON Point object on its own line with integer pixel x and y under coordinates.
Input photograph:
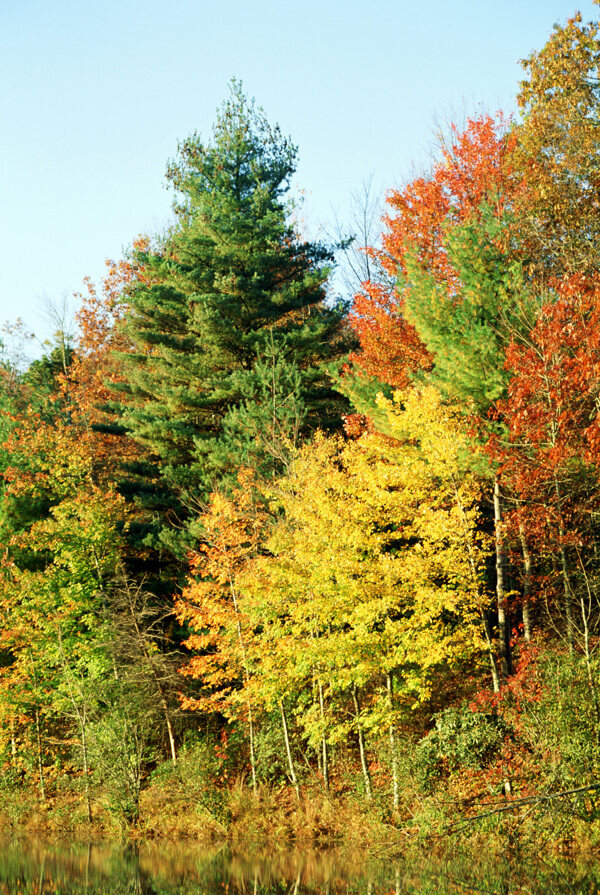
{"type": "Point", "coordinates": [33, 868]}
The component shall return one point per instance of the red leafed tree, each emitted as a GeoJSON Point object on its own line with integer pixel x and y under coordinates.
{"type": "Point", "coordinates": [472, 169]}
{"type": "Point", "coordinates": [551, 458]}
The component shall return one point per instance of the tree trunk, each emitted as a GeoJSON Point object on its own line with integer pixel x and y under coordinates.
{"type": "Point", "coordinates": [362, 750]}
{"type": "Point", "coordinates": [393, 756]}
{"type": "Point", "coordinates": [490, 645]}
{"type": "Point", "coordinates": [86, 769]}
{"type": "Point", "coordinates": [527, 570]}
{"type": "Point", "coordinates": [247, 678]}
{"type": "Point", "coordinates": [13, 743]}
{"type": "Point", "coordinates": [398, 881]}
{"type": "Point", "coordinates": [484, 618]}
{"type": "Point", "coordinates": [288, 750]}
{"type": "Point", "coordinates": [503, 618]}
{"type": "Point", "coordinates": [252, 749]}
{"type": "Point", "coordinates": [39, 754]}
{"type": "Point", "coordinates": [564, 570]}
{"type": "Point", "coordinates": [566, 590]}
{"type": "Point", "coordinates": [324, 758]}
{"type": "Point", "coordinates": [159, 687]}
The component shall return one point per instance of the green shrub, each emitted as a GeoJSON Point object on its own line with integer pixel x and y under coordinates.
{"type": "Point", "coordinates": [460, 738]}
{"type": "Point", "coordinates": [561, 726]}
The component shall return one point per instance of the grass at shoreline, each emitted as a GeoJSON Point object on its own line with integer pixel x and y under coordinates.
{"type": "Point", "coordinates": [274, 819]}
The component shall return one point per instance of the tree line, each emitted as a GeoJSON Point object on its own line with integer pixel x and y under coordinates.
{"type": "Point", "coordinates": [312, 541]}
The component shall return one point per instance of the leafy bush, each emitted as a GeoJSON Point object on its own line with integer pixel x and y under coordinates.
{"type": "Point", "coordinates": [562, 726]}
{"type": "Point", "coordinates": [271, 757]}
{"type": "Point", "coordinates": [460, 738]}
{"type": "Point", "coordinates": [119, 752]}
{"type": "Point", "coordinates": [197, 778]}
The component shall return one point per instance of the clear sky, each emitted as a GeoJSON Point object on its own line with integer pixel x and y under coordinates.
{"type": "Point", "coordinates": [95, 96]}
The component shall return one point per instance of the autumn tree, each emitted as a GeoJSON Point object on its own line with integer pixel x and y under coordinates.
{"type": "Point", "coordinates": [471, 170]}
{"type": "Point", "coordinates": [211, 607]}
{"type": "Point", "coordinates": [63, 526]}
{"type": "Point", "coordinates": [555, 153]}
{"type": "Point", "coordinates": [550, 455]}
{"type": "Point", "coordinates": [374, 579]}
{"type": "Point", "coordinates": [54, 592]}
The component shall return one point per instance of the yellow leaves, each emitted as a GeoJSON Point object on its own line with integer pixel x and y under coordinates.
{"type": "Point", "coordinates": [371, 565]}
{"type": "Point", "coordinates": [556, 154]}
{"type": "Point", "coordinates": [375, 562]}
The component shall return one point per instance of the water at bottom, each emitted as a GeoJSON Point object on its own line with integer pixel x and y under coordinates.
{"type": "Point", "coordinates": [28, 866]}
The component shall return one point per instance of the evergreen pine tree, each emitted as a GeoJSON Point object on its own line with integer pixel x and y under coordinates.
{"type": "Point", "coordinates": [231, 329]}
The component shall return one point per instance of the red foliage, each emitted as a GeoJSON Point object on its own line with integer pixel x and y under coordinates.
{"type": "Point", "coordinates": [552, 456]}
{"type": "Point", "coordinates": [355, 424]}
{"type": "Point", "coordinates": [472, 169]}
{"type": "Point", "coordinates": [522, 688]}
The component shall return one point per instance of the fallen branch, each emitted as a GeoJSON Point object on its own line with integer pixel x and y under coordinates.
{"type": "Point", "coordinates": [517, 803]}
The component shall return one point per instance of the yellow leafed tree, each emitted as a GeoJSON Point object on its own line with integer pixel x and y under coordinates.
{"type": "Point", "coordinates": [373, 579]}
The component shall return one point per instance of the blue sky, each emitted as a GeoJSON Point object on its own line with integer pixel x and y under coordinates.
{"type": "Point", "coordinates": [95, 96]}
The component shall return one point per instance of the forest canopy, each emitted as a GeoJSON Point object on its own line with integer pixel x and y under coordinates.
{"type": "Point", "coordinates": [255, 531]}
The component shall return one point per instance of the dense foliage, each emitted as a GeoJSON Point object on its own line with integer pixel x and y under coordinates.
{"type": "Point", "coordinates": [252, 532]}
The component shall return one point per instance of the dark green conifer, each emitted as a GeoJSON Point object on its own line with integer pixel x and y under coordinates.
{"type": "Point", "coordinates": [230, 337]}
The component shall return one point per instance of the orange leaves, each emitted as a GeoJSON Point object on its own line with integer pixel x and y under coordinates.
{"type": "Point", "coordinates": [420, 210]}
{"type": "Point", "coordinates": [100, 312]}
{"type": "Point", "coordinates": [390, 346]}
{"type": "Point", "coordinates": [210, 604]}
{"type": "Point", "coordinates": [554, 389]}
{"type": "Point", "coordinates": [551, 459]}
{"type": "Point", "coordinates": [472, 169]}
{"type": "Point", "coordinates": [86, 387]}
{"type": "Point", "coordinates": [100, 334]}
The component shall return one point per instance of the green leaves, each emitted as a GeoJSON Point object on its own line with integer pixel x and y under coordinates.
{"type": "Point", "coordinates": [230, 328]}
{"type": "Point", "coordinates": [467, 328]}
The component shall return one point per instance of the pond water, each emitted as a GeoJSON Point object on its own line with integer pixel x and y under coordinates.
{"type": "Point", "coordinates": [33, 867]}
